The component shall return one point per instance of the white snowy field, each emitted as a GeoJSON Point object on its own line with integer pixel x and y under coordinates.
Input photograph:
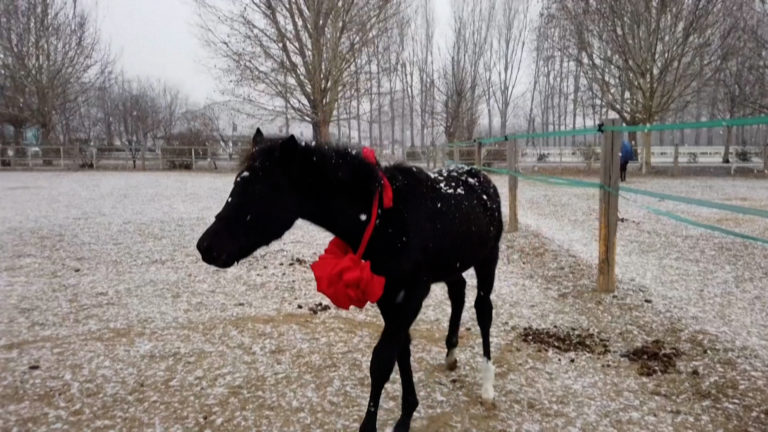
{"type": "Point", "coordinates": [110, 321]}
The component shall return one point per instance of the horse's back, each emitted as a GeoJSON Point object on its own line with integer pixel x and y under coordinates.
{"type": "Point", "coordinates": [451, 218]}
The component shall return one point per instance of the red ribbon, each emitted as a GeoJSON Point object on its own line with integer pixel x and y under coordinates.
{"type": "Point", "coordinates": [344, 277]}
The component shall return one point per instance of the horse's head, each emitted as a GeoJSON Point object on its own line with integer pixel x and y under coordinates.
{"type": "Point", "coordinates": [260, 208]}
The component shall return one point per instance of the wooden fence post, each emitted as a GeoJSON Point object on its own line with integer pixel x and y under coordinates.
{"type": "Point", "coordinates": [456, 154]}
{"type": "Point", "coordinates": [478, 154]}
{"type": "Point", "coordinates": [512, 225]}
{"type": "Point", "coordinates": [609, 208]}
{"type": "Point", "coordinates": [193, 158]}
{"type": "Point", "coordinates": [61, 155]}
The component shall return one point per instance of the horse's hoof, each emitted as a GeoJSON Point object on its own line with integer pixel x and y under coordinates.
{"type": "Point", "coordinates": [488, 373]}
{"type": "Point", "coordinates": [487, 394]}
{"type": "Point", "coordinates": [488, 404]}
{"type": "Point", "coordinates": [451, 363]}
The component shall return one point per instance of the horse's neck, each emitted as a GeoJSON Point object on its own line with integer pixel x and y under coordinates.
{"type": "Point", "coordinates": [339, 194]}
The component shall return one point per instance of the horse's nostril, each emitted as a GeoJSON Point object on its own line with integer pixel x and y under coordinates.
{"type": "Point", "coordinates": [201, 246]}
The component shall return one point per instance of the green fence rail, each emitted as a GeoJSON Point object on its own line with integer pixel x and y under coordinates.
{"type": "Point", "coordinates": [567, 182]}
{"type": "Point", "coordinates": [741, 121]}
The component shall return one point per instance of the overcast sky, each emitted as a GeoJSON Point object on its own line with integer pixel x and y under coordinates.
{"type": "Point", "coordinates": [158, 39]}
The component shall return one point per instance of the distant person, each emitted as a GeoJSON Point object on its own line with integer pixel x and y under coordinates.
{"type": "Point", "coordinates": [626, 156]}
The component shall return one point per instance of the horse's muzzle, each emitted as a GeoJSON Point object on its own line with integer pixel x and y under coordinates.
{"type": "Point", "coordinates": [211, 256]}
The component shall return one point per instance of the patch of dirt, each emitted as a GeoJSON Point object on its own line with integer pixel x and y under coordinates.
{"type": "Point", "coordinates": [298, 261]}
{"type": "Point", "coordinates": [316, 308]}
{"type": "Point", "coordinates": [566, 340]}
{"type": "Point", "coordinates": [654, 358]}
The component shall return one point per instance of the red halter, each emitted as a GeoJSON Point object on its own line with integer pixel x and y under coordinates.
{"type": "Point", "coordinates": [345, 278]}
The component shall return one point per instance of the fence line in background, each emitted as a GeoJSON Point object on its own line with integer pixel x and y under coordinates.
{"type": "Point", "coordinates": [609, 185]}
{"type": "Point", "coordinates": [168, 157]}
{"type": "Point", "coordinates": [596, 129]}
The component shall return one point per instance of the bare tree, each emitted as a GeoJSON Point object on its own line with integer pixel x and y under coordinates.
{"type": "Point", "coordinates": [640, 67]}
{"type": "Point", "coordinates": [408, 76]}
{"type": "Point", "coordinates": [425, 66]}
{"type": "Point", "coordinates": [757, 28]}
{"type": "Point", "coordinates": [139, 117]}
{"type": "Point", "coordinates": [508, 49]}
{"type": "Point", "coordinates": [314, 44]}
{"type": "Point", "coordinates": [733, 82]}
{"type": "Point", "coordinates": [172, 104]}
{"type": "Point", "coordinates": [50, 56]}
{"type": "Point", "coordinates": [397, 35]}
{"type": "Point", "coordinates": [460, 77]}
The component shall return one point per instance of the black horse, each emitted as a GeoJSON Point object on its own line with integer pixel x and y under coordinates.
{"type": "Point", "coordinates": [440, 225]}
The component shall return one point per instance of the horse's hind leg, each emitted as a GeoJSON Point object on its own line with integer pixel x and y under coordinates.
{"type": "Point", "coordinates": [486, 273]}
{"type": "Point", "coordinates": [456, 289]}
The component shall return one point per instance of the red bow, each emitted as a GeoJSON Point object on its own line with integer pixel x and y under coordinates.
{"type": "Point", "coordinates": [343, 276]}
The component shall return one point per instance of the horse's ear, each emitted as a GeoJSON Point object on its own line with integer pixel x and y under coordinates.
{"type": "Point", "coordinates": [258, 138]}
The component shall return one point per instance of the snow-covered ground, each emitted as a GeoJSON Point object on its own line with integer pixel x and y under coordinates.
{"type": "Point", "coordinates": [109, 320]}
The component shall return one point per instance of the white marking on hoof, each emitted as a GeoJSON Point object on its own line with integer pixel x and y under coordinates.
{"type": "Point", "coordinates": [488, 373]}
{"type": "Point", "coordinates": [450, 360]}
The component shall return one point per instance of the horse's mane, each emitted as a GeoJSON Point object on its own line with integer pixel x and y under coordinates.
{"type": "Point", "coordinates": [317, 162]}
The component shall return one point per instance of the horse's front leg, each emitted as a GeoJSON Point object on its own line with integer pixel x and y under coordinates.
{"type": "Point", "coordinates": [399, 311]}
{"type": "Point", "coordinates": [382, 363]}
{"type": "Point", "coordinates": [410, 401]}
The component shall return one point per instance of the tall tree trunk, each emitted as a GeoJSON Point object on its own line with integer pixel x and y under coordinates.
{"type": "Point", "coordinates": [348, 107]}
{"type": "Point", "coordinates": [697, 132]}
{"type": "Point", "coordinates": [321, 128]}
{"type": "Point", "coordinates": [379, 77]}
{"type": "Point", "coordinates": [765, 157]}
{"type": "Point", "coordinates": [490, 113]}
{"type": "Point", "coordinates": [411, 119]}
{"type": "Point", "coordinates": [357, 98]}
{"type": "Point", "coordinates": [370, 104]}
{"type": "Point", "coordinates": [393, 88]}
{"type": "Point", "coordinates": [18, 136]}
{"type": "Point", "coordinates": [728, 144]}
{"type": "Point", "coordinates": [338, 130]}
{"type": "Point", "coordinates": [646, 152]}
{"type": "Point", "coordinates": [359, 122]}
{"type": "Point", "coordinates": [576, 84]}
{"type": "Point", "coordinates": [402, 124]}
{"type": "Point", "coordinates": [144, 154]}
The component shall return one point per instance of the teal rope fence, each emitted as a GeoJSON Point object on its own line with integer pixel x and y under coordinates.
{"type": "Point", "coordinates": [560, 181]}
{"type": "Point", "coordinates": [742, 121]}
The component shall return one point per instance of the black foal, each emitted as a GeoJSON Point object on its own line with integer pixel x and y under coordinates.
{"type": "Point", "coordinates": [441, 224]}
